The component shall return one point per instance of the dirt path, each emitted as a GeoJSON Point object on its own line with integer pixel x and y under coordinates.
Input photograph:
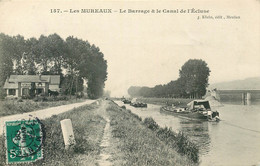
{"type": "Point", "coordinates": [42, 114]}
{"type": "Point", "coordinates": [105, 156]}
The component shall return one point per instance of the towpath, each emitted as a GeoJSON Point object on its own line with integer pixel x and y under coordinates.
{"type": "Point", "coordinates": [105, 156]}
{"type": "Point", "coordinates": [42, 114]}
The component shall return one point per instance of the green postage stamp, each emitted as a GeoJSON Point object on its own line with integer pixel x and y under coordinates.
{"type": "Point", "coordinates": [23, 141]}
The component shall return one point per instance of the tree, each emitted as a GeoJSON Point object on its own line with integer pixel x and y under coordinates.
{"type": "Point", "coordinates": [194, 75]}
{"type": "Point", "coordinates": [192, 83]}
{"type": "Point", "coordinates": [134, 91]}
{"type": "Point", "coordinates": [6, 64]}
{"type": "Point", "coordinates": [89, 63]}
{"type": "Point", "coordinates": [75, 60]}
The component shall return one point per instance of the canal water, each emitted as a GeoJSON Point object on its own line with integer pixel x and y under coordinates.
{"type": "Point", "coordinates": [234, 141]}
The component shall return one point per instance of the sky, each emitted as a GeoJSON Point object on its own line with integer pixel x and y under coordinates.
{"type": "Point", "coordinates": [149, 49]}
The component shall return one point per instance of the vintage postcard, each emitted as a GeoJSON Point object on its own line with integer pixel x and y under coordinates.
{"type": "Point", "coordinates": [130, 82]}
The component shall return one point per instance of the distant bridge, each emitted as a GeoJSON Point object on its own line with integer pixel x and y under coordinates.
{"type": "Point", "coordinates": [241, 95]}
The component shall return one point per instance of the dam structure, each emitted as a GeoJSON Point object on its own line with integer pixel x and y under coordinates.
{"type": "Point", "coordinates": [236, 95]}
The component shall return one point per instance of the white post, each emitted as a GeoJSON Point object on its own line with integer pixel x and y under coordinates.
{"type": "Point", "coordinates": [67, 131]}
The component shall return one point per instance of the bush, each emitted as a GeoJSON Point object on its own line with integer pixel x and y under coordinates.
{"type": "Point", "coordinates": [123, 107]}
{"type": "Point", "coordinates": [186, 147]}
{"type": "Point", "coordinates": [151, 124]}
{"type": "Point", "coordinates": [50, 98]}
{"type": "Point", "coordinates": [26, 97]}
{"type": "Point", "coordinates": [36, 99]}
{"type": "Point", "coordinates": [179, 141]}
{"type": "Point", "coordinates": [20, 100]}
{"type": "Point", "coordinates": [40, 98]}
{"type": "Point", "coordinates": [62, 98]}
{"type": "Point", "coordinates": [2, 93]}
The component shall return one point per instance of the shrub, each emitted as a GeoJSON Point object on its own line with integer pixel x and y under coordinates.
{"type": "Point", "coordinates": [151, 124]}
{"type": "Point", "coordinates": [186, 147]}
{"type": "Point", "coordinates": [36, 99]}
{"type": "Point", "coordinates": [26, 97]}
{"type": "Point", "coordinates": [50, 98]}
{"type": "Point", "coordinates": [62, 98]}
{"type": "Point", "coordinates": [20, 100]}
{"type": "Point", "coordinates": [123, 107]}
{"type": "Point", "coordinates": [40, 98]}
{"type": "Point", "coordinates": [179, 141]}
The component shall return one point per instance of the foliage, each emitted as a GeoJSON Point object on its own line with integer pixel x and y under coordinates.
{"type": "Point", "coordinates": [151, 124]}
{"type": "Point", "coordinates": [134, 91]}
{"type": "Point", "coordinates": [192, 83]}
{"type": "Point", "coordinates": [71, 85]}
{"type": "Point", "coordinates": [179, 141]}
{"type": "Point", "coordinates": [137, 145]}
{"type": "Point", "coordinates": [75, 60]}
{"type": "Point", "coordinates": [10, 107]}
{"type": "Point", "coordinates": [194, 73]}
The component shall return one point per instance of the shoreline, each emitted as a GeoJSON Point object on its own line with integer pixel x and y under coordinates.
{"type": "Point", "coordinates": [128, 140]}
{"type": "Point", "coordinates": [178, 101]}
{"type": "Point", "coordinates": [149, 140]}
{"type": "Point", "coordinates": [165, 101]}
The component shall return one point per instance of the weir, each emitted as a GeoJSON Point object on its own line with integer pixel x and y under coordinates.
{"type": "Point", "coordinates": [246, 96]}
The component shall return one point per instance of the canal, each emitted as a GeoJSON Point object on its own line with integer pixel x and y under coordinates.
{"type": "Point", "coordinates": [235, 140]}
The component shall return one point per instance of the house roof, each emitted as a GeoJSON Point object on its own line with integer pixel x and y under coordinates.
{"type": "Point", "coordinates": [9, 85]}
{"type": "Point", "coordinates": [12, 82]}
{"type": "Point", "coordinates": [27, 78]}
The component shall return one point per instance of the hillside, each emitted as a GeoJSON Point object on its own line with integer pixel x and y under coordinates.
{"type": "Point", "coordinates": [246, 84]}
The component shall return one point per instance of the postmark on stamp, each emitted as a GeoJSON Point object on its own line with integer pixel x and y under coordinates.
{"type": "Point", "coordinates": [23, 140]}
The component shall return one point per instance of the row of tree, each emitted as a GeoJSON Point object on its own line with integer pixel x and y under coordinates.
{"type": "Point", "coordinates": [192, 83]}
{"type": "Point", "coordinates": [73, 59]}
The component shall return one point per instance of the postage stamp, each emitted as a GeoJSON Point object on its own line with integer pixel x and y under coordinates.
{"type": "Point", "coordinates": [23, 140]}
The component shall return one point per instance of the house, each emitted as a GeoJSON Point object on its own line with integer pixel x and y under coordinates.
{"type": "Point", "coordinates": [20, 85]}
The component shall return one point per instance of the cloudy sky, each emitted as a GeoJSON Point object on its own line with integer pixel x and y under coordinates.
{"type": "Point", "coordinates": [149, 49]}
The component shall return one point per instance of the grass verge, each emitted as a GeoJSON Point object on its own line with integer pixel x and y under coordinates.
{"type": "Point", "coordinates": [11, 107]}
{"type": "Point", "coordinates": [88, 130]}
{"type": "Point", "coordinates": [179, 141]}
{"type": "Point", "coordinates": [136, 144]}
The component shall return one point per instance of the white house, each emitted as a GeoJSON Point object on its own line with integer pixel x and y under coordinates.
{"type": "Point", "coordinates": [20, 85]}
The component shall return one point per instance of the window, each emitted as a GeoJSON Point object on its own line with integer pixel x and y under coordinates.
{"type": "Point", "coordinates": [39, 91]}
{"type": "Point", "coordinates": [12, 92]}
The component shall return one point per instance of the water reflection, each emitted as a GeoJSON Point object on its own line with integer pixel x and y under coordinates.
{"type": "Point", "coordinates": [232, 141]}
{"type": "Point", "coordinates": [198, 132]}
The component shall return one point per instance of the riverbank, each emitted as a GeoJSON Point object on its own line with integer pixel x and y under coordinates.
{"type": "Point", "coordinates": [178, 101]}
{"type": "Point", "coordinates": [105, 129]}
{"type": "Point", "coordinates": [137, 142]}
{"type": "Point", "coordinates": [166, 101]}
